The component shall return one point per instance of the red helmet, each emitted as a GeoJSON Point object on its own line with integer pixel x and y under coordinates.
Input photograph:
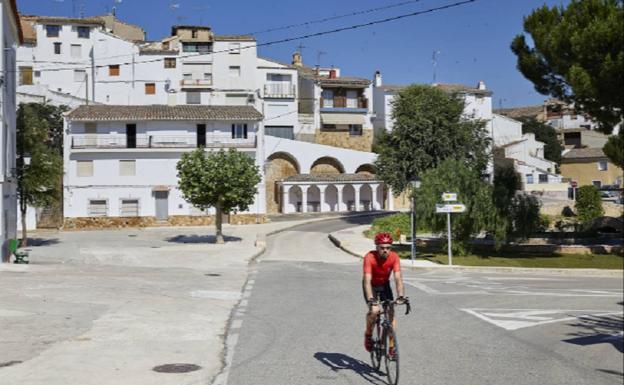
{"type": "Point", "coordinates": [383, 238]}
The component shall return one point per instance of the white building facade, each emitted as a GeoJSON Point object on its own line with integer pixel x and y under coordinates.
{"type": "Point", "coordinates": [11, 36]}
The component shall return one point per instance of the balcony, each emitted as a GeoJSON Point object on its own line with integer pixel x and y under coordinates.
{"type": "Point", "coordinates": [342, 103]}
{"type": "Point", "coordinates": [115, 141]}
{"type": "Point", "coordinates": [195, 83]}
{"type": "Point", "coordinates": [280, 90]}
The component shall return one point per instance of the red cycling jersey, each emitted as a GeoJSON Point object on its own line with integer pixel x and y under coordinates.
{"type": "Point", "coordinates": [379, 268]}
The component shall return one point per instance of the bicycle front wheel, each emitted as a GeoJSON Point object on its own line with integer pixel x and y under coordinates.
{"type": "Point", "coordinates": [378, 348]}
{"type": "Point", "coordinates": [392, 360]}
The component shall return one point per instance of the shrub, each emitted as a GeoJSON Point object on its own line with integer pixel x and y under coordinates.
{"type": "Point", "coordinates": [526, 216]}
{"type": "Point", "coordinates": [588, 203]}
{"type": "Point", "coordinates": [392, 223]}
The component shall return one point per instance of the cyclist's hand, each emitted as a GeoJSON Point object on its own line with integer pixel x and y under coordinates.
{"type": "Point", "coordinates": [405, 301]}
{"type": "Point", "coordinates": [371, 302]}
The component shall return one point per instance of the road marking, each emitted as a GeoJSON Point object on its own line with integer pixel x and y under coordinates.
{"type": "Point", "coordinates": [514, 319]}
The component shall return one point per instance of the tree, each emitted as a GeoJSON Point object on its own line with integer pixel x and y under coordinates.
{"type": "Point", "coordinates": [588, 203]}
{"type": "Point", "coordinates": [525, 215]}
{"type": "Point", "coordinates": [544, 133]}
{"type": "Point", "coordinates": [224, 180]}
{"type": "Point", "coordinates": [428, 128]}
{"type": "Point", "coordinates": [578, 56]}
{"type": "Point", "coordinates": [481, 214]}
{"type": "Point", "coordinates": [54, 116]}
{"type": "Point", "coordinates": [506, 183]}
{"type": "Point", "coordinates": [614, 148]}
{"type": "Point", "coordinates": [39, 182]}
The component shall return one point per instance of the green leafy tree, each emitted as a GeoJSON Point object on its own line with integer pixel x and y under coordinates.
{"type": "Point", "coordinates": [526, 216]}
{"type": "Point", "coordinates": [428, 128]}
{"type": "Point", "coordinates": [481, 214]}
{"type": "Point", "coordinates": [614, 149]}
{"type": "Point", "coordinates": [38, 182]}
{"type": "Point", "coordinates": [544, 133]}
{"type": "Point", "coordinates": [588, 203]}
{"type": "Point", "coordinates": [506, 183]}
{"type": "Point", "coordinates": [225, 180]}
{"type": "Point", "coordinates": [577, 56]}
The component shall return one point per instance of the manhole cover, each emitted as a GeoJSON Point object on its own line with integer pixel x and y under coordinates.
{"type": "Point", "coordinates": [5, 364]}
{"type": "Point", "coordinates": [212, 275]}
{"type": "Point", "coordinates": [176, 368]}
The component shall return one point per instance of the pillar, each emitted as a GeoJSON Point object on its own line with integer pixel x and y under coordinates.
{"type": "Point", "coordinates": [285, 198]}
{"type": "Point", "coordinates": [304, 198]}
{"type": "Point", "coordinates": [390, 199]}
{"type": "Point", "coordinates": [322, 188]}
{"type": "Point", "coordinates": [357, 188]}
{"type": "Point", "coordinates": [374, 204]}
{"type": "Point", "coordinates": [339, 206]}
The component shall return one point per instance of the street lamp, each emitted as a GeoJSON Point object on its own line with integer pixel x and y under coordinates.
{"type": "Point", "coordinates": [415, 184]}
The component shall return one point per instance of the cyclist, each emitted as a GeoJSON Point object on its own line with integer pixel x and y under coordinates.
{"type": "Point", "coordinates": [378, 266]}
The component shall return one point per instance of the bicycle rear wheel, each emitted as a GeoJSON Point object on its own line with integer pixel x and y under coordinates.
{"type": "Point", "coordinates": [378, 349]}
{"type": "Point", "coordinates": [392, 363]}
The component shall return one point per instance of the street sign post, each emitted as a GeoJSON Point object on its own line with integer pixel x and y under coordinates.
{"type": "Point", "coordinates": [448, 209]}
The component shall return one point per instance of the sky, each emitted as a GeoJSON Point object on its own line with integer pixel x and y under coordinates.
{"type": "Point", "coordinates": [471, 40]}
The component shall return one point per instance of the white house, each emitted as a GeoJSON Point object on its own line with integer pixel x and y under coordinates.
{"type": "Point", "coordinates": [120, 161]}
{"type": "Point", "coordinates": [11, 36]}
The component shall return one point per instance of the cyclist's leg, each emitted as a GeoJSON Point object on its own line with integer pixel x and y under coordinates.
{"type": "Point", "coordinates": [372, 314]}
{"type": "Point", "coordinates": [390, 296]}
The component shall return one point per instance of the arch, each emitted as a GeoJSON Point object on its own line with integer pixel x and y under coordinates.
{"type": "Point", "coordinates": [366, 168]}
{"type": "Point", "coordinates": [327, 165]}
{"type": "Point", "coordinates": [279, 165]}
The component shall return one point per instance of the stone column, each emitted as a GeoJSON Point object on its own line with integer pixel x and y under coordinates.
{"type": "Point", "coordinates": [285, 198]}
{"type": "Point", "coordinates": [374, 204]}
{"type": "Point", "coordinates": [322, 188]}
{"type": "Point", "coordinates": [390, 199]}
{"type": "Point", "coordinates": [339, 206]}
{"type": "Point", "coordinates": [304, 198]}
{"type": "Point", "coordinates": [357, 188]}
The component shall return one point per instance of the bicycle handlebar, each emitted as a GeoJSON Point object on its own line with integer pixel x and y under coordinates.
{"type": "Point", "coordinates": [408, 307]}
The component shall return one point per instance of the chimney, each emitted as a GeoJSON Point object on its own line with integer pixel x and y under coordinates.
{"type": "Point", "coordinates": [332, 73]}
{"type": "Point", "coordinates": [481, 85]}
{"type": "Point", "coordinates": [172, 99]}
{"type": "Point", "coordinates": [377, 79]}
{"type": "Point", "coordinates": [296, 59]}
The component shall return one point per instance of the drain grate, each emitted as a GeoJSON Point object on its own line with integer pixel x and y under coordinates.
{"type": "Point", "coordinates": [9, 363]}
{"type": "Point", "coordinates": [176, 368]}
{"type": "Point", "coordinates": [212, 275]}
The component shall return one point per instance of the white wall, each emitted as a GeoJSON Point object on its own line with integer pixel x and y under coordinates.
{"type": "Point", "coordinates": [278, 111]}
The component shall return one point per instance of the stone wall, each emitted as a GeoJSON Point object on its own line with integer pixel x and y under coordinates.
{"type": "Point", "coordinates": [324, 168]}
{"type": "Point", "coordinates": [339, 138]}
{"type": "Point", "coordinates": [279, 168]}
{"type": "Point", "coordinates": [401, 202]}
{"type": "Point", "coordinates": [95, 223]}
{"type": "Point", "coordinates": [555, 208]}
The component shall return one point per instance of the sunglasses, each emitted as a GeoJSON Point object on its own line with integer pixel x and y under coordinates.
{"type": "Point", "coordinates": [385, 247]}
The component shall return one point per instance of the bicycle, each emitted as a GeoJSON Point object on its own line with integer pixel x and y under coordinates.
{"type": "Point", "coordinates": [382, 334]}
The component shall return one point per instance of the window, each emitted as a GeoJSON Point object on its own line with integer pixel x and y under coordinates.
{"type": "Point", "coordinates": [57, 48]}
{"type": "Point", "coordinates": [187, 76]}
{"type": "Point", "coordinates": [52, 30]}
{"type": "Point", "coordinates": [329, 126]}
{"type": "Point", "coordinates": [170, 62]}
{"type": "Point", "coordinates": [76, 50]}
{"type": "Point", "coordinates": [84, 168]}
{"type": "Point", "coordinates": [235, 71]}
{"type": "Point", "coordinates": [193, 97]}
{"type": "Point", "coordinates": [79, 75]}
{"type": "Point", "coordinates": [328, 98]}
{"type": "Point", "coordinates": [234, 48]}
{"type": "Point", "coordinates": [83, 32]}
{"type": "Point", "coordinates": [127, 168]}
{"type": "Point", "coordinates": [239, 131]}
{"type": "Point", "coordinates": [129, 208]}
{"type": "Point", "coordinates": [26, 76]}
{"type": "Point", "coordinates": [529, 178]}
{"type": "Point", "coordinates": [280, 131]}
{"type": "Point", "coordinates": [543, 178]}
{"type": "Point", "coordinates": [197, 47]}
{"type": "Point", "coordinates": [37, 74]}
{"type": "Point", "coordinates": [352, 101]}
{"type": "Point", "coordinates": [201, 135]}
{"type": "Point", "coordinates": [150, 88]}
{"type": "Point", "coordinates": [355, 129]}
{"type": "Point", "coordinates": [597, 183]}
{"type": "Point", "coordinates": [603, 165]}
{"type": "Point", "coordinates": [98, 207]}
{"type": "Point", "coordinates": [130, 135]}
{"type": "Point", "coordinates": [113, 70]}
{"type": "Point", "coordinates": [194, 33]}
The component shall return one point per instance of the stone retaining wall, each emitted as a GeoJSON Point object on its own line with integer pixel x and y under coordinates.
{"type": "Point", "coordinates": [95, 223]}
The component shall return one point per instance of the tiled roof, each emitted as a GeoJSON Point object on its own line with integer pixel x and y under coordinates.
{"type": "Point", "coordinates": [28, 30]}
{"type": "Point", "coordinates": [331, 178]}
{"type": "Point", "coordinates": [342, 80]}
{"type": "Point", "coordinates": [584, 153]}
{"type": "Point", "coordinates": [392, 87]}
{"type": "Point", "coordinates": [162, 112]}
{"type": "Point", "coordinates": [234, 38]}
{"type": "Point", "coordinates": [462, 89]}
{"type": "Point", "coordinates": [519, 112]}
{"type": "Point", "coordinates": [66, 20]}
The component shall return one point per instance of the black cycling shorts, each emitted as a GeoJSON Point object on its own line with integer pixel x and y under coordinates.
{"type": "Point", "coordinates": [381, 293]}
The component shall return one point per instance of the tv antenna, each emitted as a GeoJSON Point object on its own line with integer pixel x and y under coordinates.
{"type": "Point", "coordinates": [318, 57]}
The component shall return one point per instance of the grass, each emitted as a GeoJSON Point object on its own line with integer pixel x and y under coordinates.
{"type": "Point", "coordinates": [574, 261]}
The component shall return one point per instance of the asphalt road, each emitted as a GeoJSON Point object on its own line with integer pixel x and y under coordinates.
{"type": "Point", "coordinates": [301, 321]}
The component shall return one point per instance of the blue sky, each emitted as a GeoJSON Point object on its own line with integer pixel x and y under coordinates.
{"type": "Point", "coordinates": [472, 39]}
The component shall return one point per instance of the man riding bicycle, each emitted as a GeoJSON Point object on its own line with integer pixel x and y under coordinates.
{"type": "Point", "coordinates": [378, 266]}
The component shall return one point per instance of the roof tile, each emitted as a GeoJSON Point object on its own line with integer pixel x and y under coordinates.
{"type": "Point", "coordinates": [163, 112]}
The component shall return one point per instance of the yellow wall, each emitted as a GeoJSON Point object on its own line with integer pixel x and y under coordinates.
{"type": "Point", "coordinates": [586, 172]}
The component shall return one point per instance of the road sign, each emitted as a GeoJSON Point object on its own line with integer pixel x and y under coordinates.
{"type": "Point", "coordinates": [449, 197]}
{"type": "Point", "coordinates": [573, 183]}
{"type": "Point", "coordinates": [452, 208]}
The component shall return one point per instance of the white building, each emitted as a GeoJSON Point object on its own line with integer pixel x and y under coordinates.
{"type": "Point", "coordinates": [11, 36]}
{"type": "Point", "coordinates": [120, 161]}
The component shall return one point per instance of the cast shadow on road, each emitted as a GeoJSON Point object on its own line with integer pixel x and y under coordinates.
{"type": "Point", "coordinates": [37, 242]}
{"type": "Point", "coordinates": [339, 361]}
{"type": "Point", "coordinates": [605, 329]}
{"type": "Point", "coordinates": [201, 239]}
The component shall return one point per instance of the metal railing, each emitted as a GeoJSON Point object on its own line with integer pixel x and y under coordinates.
{"type": "Point", "coordinates": [112, 141]}
{"type": "Point", "coordinates": [280, 90]}
{"type": "Point", "coordinates": [344, 102]}
{"type": "Point", "coordinates": [195, 82]}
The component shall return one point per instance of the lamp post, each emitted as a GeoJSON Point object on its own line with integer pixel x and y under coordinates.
{"type": "Point", "coordinates": [415, 184]}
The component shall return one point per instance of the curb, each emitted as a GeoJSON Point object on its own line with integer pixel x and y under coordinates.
{"type": "Point", "coordinates": [607, 273]}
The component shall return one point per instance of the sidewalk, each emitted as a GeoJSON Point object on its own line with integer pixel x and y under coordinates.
{"type": "Point", "coordinates": [109, 307]}
{"type": "Point", "coordinates": [353, 242]}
